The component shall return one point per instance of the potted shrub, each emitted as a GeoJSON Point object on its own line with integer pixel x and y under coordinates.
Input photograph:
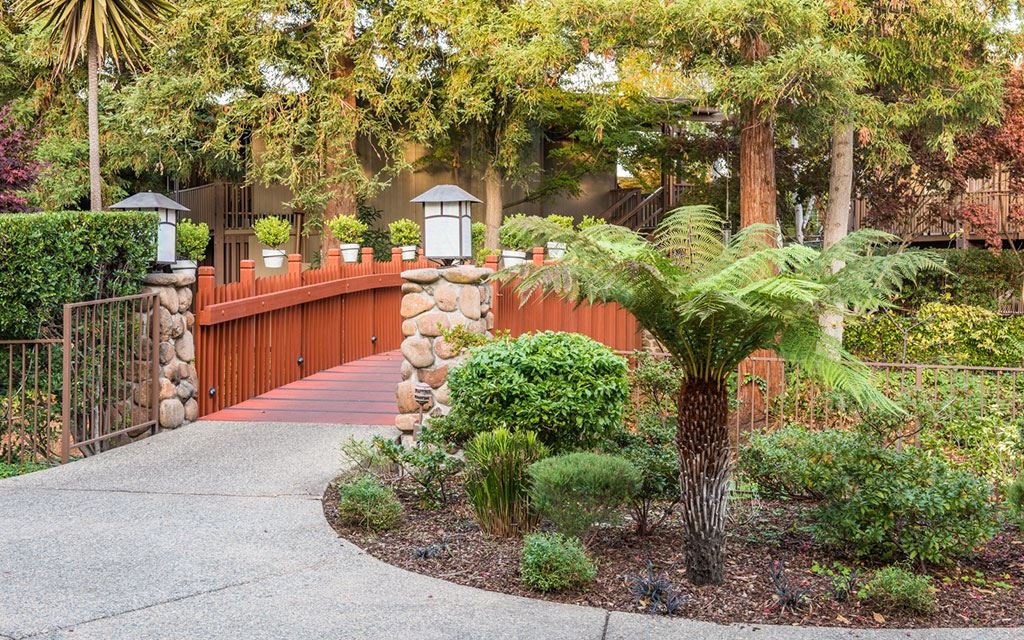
{"type": "Point", "coordinates": [349, 232]}
{"type": "Point", "coordinates": [191, 243]}
{"type": "Point", "coordinates": [273, 232]}
{"type": "Point", "coordinates": [557, 249]}
{"type": "Point", "coordinates": [514, 243]}
{"type": "Point", "coordinates": [405, 233]}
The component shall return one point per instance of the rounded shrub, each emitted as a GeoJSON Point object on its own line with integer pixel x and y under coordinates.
{"type": "Point", "coordinates": [496, 480]}
{"type": "Point", "coordinates": [568, 388]}
{"type": "Point", "coordinates": [552, 562]}
{"type": "Point", "coordinates": [894, 588]}
{"type": "Point", "coordinates": [192, 240]}
{"type": "Point", "coordinates": [347, 229]}
{"type": "Point", "coordinates": [512, 239]}
{"type": "Point", "coordinates": [272, 231]}
{"type": "Point", "coordinates": [575, 491]}
{"type": "Point", "coordinates": [366, 503]}
{"type": "Point", "coordinates": [873, 501]}
{"type": "Point", "coordinates": [404, 233]}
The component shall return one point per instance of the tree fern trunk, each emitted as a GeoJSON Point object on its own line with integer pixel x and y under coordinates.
{"type": "Point", "coordinates": [93, 98]}
{"type": "Point", "coordinates": [702, 437]}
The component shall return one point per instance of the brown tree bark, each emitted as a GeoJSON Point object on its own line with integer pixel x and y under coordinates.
{"type": "Point", "coordinates": [702, 438]}
{"type": "Point", "coordinates": [837, 215]}
{"type": "Point", "coordinates": [757, 167]}
{"type": "Point", "coordinates": [93, 108]}
{"type": "Point", "coordinates": [493, 204]}
{"type": "Point", "coordinates": [341, 152]}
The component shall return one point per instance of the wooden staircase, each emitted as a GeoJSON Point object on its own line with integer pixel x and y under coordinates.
{"type": "Point", "coordinates": [641, 211]}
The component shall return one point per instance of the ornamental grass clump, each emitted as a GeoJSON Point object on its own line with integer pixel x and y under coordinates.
{"type": "Point", "coordinates": [552, 562]}
{"type": "Point", "coordinates": [712, 303]}
{"type": "Point", "coordinates": [576, 491]}
{"type": "Point", "coordinates": [497, 482]}
{"type": "Point", "coordinates": [368, 504]}
{"type": "Point", "coordinates": [896, 589]}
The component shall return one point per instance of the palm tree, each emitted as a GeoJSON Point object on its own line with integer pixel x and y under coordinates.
{"type": "Point", "coordinates": [95, 28]}
{"type": "Point", "coordinates": [711, 305]}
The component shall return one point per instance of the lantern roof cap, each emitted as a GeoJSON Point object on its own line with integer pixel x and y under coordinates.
{"type": "Point", "coordinates": [149, 200]}
{"type": "Point", "coordinates": [446, 193]}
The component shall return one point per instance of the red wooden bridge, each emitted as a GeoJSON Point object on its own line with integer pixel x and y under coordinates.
{"type": "Point", "coordinates": [319, 346]}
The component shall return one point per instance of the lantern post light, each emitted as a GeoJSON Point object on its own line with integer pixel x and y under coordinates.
{"type": "Point", "coordinates": [447, 223]}
{"type": "Point", "coordinates": [168, 210]}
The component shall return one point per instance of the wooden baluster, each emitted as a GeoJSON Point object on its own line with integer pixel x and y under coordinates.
{"type": "Point", "coordinates": [538, 255]}
{"type": "Point", "coordinates": [334, 258]}
{"type": "Point", "coordinates": [294, 264]}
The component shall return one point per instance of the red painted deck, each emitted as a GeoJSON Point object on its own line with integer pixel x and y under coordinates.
{"type": "Point", "coordinates": [358, 392]}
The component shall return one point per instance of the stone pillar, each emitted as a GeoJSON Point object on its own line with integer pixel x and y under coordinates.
{"type": "Point", "coordinates": [179, 382]}
{"type": "Point", "coordinates": [435, 300]}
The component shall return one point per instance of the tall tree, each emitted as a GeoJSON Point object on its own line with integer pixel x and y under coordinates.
{"type": "Point", "coordinates": [934, 72]}
{"type": "Point", "coordinates": [711, 305]}
{"type": "Point", "coordinates": [94, 29]}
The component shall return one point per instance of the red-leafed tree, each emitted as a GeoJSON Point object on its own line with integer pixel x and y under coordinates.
{"type": "Point", "coordinates": [937, 187]}
{"type": "Point", "coordinates": [18, 170]}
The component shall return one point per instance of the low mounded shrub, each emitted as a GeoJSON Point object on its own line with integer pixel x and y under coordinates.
{"type": "Point", "coordinates": [896, 589]}
{"type": "Point", "coordinates": [50, 259]}
{"type": "Point", "coordinates": [496, 480]}
{"type": "Point", "coordinates": [575, 491]}
{"type": "Point", "coordinates": [552, 562]}
{"type": "Point", "coordinates": [368, 504]}
{"type": "Point", "coordinates": [568, 388]}
{"type": "Point", "coordinates": [873, 501]}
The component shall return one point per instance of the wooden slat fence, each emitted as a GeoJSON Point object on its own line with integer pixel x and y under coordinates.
{"type": "Point", "coordinates": [261, 333]}
{"type": "Point", "coordinates": [606, 323]}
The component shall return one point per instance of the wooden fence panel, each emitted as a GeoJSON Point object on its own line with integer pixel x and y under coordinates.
{"type": "Point", "coordinates": [606, 323]}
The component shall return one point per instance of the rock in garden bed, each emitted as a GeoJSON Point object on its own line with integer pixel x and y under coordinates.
{"type": "Point", "coordinates": [985, 590]}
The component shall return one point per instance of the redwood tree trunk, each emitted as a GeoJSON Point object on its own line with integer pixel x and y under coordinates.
{"type": "Point", "coordinates": [837, 216]}
{"type": "Point", "coordinates": [757, 167]}
{"type": "Point", "coordinates": [95, 192]}
{"type": "Point", "coordinates": [702, 437]}
{"type": "Point", "coordinates": [493, 204]}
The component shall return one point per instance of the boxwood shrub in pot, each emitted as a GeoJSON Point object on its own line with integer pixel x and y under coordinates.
{"type": "Point", "coordinates": [405, 233]}
{"type": "Point", "coordinates": [556, 250]}
{"type": "Point", "coordinates": [273, 231]}
{"type": "Point", "coordinates": [191, 244]}
{"type": "Point", "coordinates": [514, 242]}
{"type": "Point", "coordinates": [568, 388]}
{"type": "Point", "coordinates": [348, 231]}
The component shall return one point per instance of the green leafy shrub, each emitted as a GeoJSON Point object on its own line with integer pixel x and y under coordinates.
{"type": "Point", "coordinates": [347, 229]}
{"type": "Point", "coordinates": [991, 445]}
{"type": "Point", "coordinates": [1015, 500]}
{"type": "Point", "coordinates": [937, 334]}
{"type": "Point", "coordinates": [427, 462]}
{"type": "Point", "coordinates": [11, 469]}
{"type": "Point", "coordinates": [587, 222]}
{"type": "Point", "coordinates": [368, 504]}
{"type": "Point", "coordinates": [650, 447]}
{"type": "Point", "coordinates": [192, 240]}
{"type": "Point", "coordinates": [50, 259]}
{"type": "Point", "coordinates": [894, 588]}
{"type": "Point", "coordinates": [552, 562]}
{"type": "Point", "coordinates": [575, 491]}
{"type": "Point", "coordinates": [513, 239]}
{"type": "Point", "coordinates": [874, 501]}
{"type": "Point", "coordinates": [568, 388]}
{"type": "Point", "coordinates": [404, 233]}
{"type": "Point", "coordinates": [272, 231]}
{"type": "Point", "coordinates": [496, 480]}
{"type": "Point", "coordinates": [973, 277]}
{"type": "Point", "coordinates": [566, 222]}
{"type": "Point", "coordinates": [654, 383]}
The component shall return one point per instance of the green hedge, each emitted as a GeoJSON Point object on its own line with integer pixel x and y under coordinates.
{"type": "Point", "coordinates": [939, 334]}
{"type": "Point", "coordinates": [49, 259]}
{"type": "Point", "coordinates": [975, 277]}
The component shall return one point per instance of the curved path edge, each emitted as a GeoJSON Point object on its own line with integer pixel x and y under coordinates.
{"type": "Point", "coordinates": [216, 531]}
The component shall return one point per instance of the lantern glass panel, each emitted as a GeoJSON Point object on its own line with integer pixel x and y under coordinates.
{"type": "Point", "coordinates": [166, 237]}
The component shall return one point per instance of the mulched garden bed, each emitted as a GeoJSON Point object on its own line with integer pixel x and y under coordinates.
{"type": "Point", "coordinates": [982, 591]}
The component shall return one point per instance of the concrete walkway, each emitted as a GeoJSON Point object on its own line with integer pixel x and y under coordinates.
{"type": "Point", "coordinates": [216, 531]}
